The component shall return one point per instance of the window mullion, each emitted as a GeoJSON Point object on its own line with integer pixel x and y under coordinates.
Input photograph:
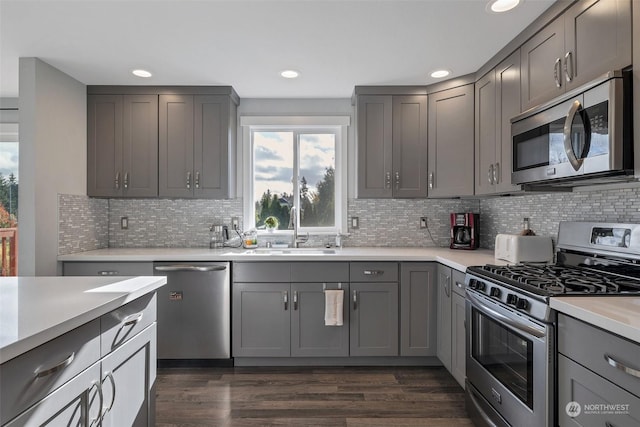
{"type": "Point", "coordinates": [296, 176]}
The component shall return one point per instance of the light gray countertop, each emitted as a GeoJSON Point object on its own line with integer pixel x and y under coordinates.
{"type": "Point", "coordinates": [458, 259]}
{"type": "Point", "coordinates": [34, 310]}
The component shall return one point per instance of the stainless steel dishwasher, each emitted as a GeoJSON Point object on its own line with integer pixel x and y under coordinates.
{"type": "Point", "coordinates": [194, 313]}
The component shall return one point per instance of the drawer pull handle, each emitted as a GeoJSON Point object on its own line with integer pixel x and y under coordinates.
{"type": "Point", "coordinates": [460, 285]}
{"type": "Point", "coordinates": [132, 319]}
{"type": "Point", "coordinates": [41, 373]}
{"type": "Point", "coordinates": [108, 273]}
{"type": "Point", "coordinates": [621, 366]}
{"type": "Point", "coordinates": [105, 409]}
{"type": "Point", "coordinates": [181, 267]}
{"type": "Point", "coordinates": [373, 272]}
{"type": "Point", "coordinates": [98, 386]}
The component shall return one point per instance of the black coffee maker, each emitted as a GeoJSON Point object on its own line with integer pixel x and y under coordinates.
{"type": "Point", "coordinates": [465, 231]}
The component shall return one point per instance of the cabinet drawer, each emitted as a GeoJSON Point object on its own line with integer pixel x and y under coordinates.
{"type": "Point", "coordinates": [457, 282]}
{"type": "Point", "coordinates": [592, 392]}
{"type": "Point", "coordinates": [31, 376]}
{"type": "Point", "coordinates": [108, 269]}
{"type": "Point", "coordinates": [373, 272]}
{"type": "Point", "coordinates": [596, 349]}
{"type": "Point", "coordinates": [320, 272]}
{"type": "Point", "coordinates": [267, 272]}
{"type": "Point", "coordinates": [126, 322]}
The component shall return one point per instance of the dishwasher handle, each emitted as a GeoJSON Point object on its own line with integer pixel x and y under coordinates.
{"type": "Point", "coordinates": [186, 267]}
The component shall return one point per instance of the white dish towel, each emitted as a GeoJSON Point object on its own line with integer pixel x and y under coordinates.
{"type": "Point", "coordinates": [333, 300]}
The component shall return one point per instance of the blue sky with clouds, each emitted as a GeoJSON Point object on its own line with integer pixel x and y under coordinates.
{"type": "Point", "coordinates": [9, 158]}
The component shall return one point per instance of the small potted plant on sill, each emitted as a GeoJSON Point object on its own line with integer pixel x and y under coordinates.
{"type": "Point", "coordinates": [271, 223]}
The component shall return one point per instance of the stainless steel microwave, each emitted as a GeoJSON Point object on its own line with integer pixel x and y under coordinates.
{"type": "Point", "coordinates": [584, 134]}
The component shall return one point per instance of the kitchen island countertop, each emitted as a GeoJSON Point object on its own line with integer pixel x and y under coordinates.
{"type": "Point", "coordinates": [458, 259]}
{"type": "Point", "coordinates": [618, 315]}
{"type": "Point", "coordinates": [34, 310]}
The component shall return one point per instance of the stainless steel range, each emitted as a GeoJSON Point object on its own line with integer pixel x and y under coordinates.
{"type": "Point", "coordinates": [511, 330]}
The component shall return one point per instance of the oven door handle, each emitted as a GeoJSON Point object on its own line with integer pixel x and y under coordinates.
{"type": "Point", "coordinates": [527, 329]}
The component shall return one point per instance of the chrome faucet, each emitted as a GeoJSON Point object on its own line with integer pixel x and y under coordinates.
{"type": "Point", "coordinates": [293, 225]}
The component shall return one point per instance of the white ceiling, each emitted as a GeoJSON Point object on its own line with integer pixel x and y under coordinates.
{"type": "Point", "coordinates": [335, 44]}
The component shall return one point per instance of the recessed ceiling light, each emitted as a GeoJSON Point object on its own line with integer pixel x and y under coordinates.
{"type": "Point", "coordinates": [141, 73]}
{"type": "Point", "coordinates": [289, 74]}
{"type": "Point", "coordinates": [438, 74]}
{"type": "Point", "coordinates": [499, 6]}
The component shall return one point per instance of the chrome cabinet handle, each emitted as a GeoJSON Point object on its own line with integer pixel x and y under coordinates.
{"type": "Point", "coordinates": [387, 180]}
{"type": "Point", "coordinates": [490, 175]}
{"type": "Point", "coordinates": [621, 366]}
{"type": "Point", "coordinates": [285, 300]}
{"type": "Point", "coordinates": [98, 387]}
{"type": "Point", "coordinates": [568, 66]}
{"type": "Point", "coordinates": [355, 300]}
{"type": "Point", "coordinates": [373, 272]}
{"type": "Point", "coordinates": [180, 267]}
{"type": "Point", "coordinates": [108, 273]}
{"type": "Point", "coordinates": [132, 319]}
{"type": "Point", "coordinates": [556, 72]}
{"type": "Point", "coordinates": [431, 180]}
{"type": "Point", "coordinates": [109, 375]}
{"type": "Point", "coordinates": [126, 180]}
{"type": "Point", "coordinates": [447, 287]}
{"type": "Point", "coordinates": [460, 285]}
{"type": "Point", "coordinates": [197, 180]}
{"type": "Point", "coordinates": [41, 373]}
{"type": "Point", "coordinates": [117, 181]}
{"type": "Point", "coordinates": [576, 162]}
{"type": "Point", "coordinates": [496, 173]}
{"type": "Point", "coordinates": [397, 180]}
{"type": "Point", "coordinates": [295, 300]}
{"type": "Point", "coordinates": [188, 180]}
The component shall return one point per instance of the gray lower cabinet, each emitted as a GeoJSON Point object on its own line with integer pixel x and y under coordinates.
{"type": "Point", "coordinates": [451, 322]}
{"type": "Point", "coordinates": [444, 315]}
{"type": "Point", "coordinates": [596, 368]}
{"type": "Point", "coordinates": [392, 145]}
{"type": "Point", "coordinates": [374, 319]}
{"type": "Point", "coordinates": [451, 133]}
{"type": "Point", "coordinates": [418, 309]}
{"type": "Point", "coordinates": [122, 145]}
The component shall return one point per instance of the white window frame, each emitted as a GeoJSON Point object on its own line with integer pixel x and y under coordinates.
{"type": "Point", "coordinates": [337, 124]}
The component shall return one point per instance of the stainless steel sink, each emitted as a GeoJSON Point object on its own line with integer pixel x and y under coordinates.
{"type": "Point", "coordinates": [290, 251]}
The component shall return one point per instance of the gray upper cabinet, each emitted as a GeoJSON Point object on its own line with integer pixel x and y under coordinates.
{"type": "Point", "coordinates": [451, 132]}
{"type": "Point", "coordinates": [392, 146]}
{"type": "Point", "coordinates": [194, 147]}
{"type": "Point", "coordinates": [122, 145]}
{"type": "Point", "coordinates": [418, 309]}
{"type": "Point", "coordinates": [497, 101]}
{"type": "Point", "coordinates": [589, 39]}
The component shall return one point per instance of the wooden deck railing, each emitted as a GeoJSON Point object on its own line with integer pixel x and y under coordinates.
{"type": "Point", "coordinates": [9, 241]}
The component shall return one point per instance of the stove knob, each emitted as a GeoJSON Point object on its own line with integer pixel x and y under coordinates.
{"type": "Point", "coordinates": [522, 304]}
{"type": "Point", "coordinates": [495, 292]}
{"type": "Point", "coordinates": [473, 283]}
{"type": "Point", "coordinates": [512, 299]}
{"type": "Point", "coordinates": [480, 286]}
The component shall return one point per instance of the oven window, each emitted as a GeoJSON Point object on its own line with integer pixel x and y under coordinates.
{"type": "Point", "coordinates": [507, 355]}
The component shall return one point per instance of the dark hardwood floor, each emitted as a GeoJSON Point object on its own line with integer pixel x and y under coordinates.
{"type": "Point", "coordinates": [343, 396]}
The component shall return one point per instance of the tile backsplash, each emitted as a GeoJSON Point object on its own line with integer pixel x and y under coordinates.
{"type": "Point", "coordinates": [86, 223]}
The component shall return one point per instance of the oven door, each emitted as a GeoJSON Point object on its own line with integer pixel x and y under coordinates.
{"type": "Point", "coordinates": [509, 363]}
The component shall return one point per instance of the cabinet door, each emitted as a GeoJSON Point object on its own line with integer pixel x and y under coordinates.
{"type": "Point", "coordinates": [597, 39]}
{"type": "Point", "coordinates": [373, 319]}
{"type": "Point", "coordinates": [485, 141]}
{"type": "Point", "coordinates": [418, 312]}
{"type": "Point", "coordinates": [104, 145]}
{"type": "Point", "coordinates": [309, 335]}
{"type": "Point", "coordinates": [451, 132]}
{"type": "Point", "coordinates": [76, 403]}
{"type": "Point", "coordinates": [211, 147]}
{"type": "Point", "coordinates": [458, 347]}
{"type": "Point", "coordinates": [409, 178]}
{"type": "Point", "coordinates": [140, 146]}
{"type": "Point", "coordinates": [508, 106]}
{"type": "Point", "coordinates": [261, 323]}
{"type": "Point", "coordinates": [444, 316]}
{"type": "Point", "coordinates": [542, 65]}
{"type": "Point", "coordinates": [128, 374]}
{"type": "Point", "coordinates": [374, 146]}
{"type": "Point", "coordinates": [175, 139]}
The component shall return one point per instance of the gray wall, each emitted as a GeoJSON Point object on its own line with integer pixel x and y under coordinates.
{"type": "Point", "coordinates": [53, 144]}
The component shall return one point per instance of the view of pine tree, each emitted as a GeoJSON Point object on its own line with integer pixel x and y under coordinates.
{"type": "Point", "coordinates": [9, 194]}
{"type": "Point", "coordinates": [325, 203]}
{"type": "Point", "coordinates": [273, 205]}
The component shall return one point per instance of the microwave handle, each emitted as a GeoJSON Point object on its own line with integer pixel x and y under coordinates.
{"type": "Point", "coordinates": [576, 162]}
